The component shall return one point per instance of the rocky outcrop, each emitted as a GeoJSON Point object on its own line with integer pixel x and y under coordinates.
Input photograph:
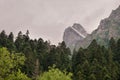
{"type": "Point", "coordinates": [109, 27]}
{"type": "Point", "coordinates": [74, 34]}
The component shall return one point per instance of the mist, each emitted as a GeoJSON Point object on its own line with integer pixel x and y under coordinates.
{"type": "Point", "coordinates": [49, 18]}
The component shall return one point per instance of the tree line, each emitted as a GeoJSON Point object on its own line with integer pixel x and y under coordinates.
{"type": "Point", "coordinates": [39, 54]}
{"type": "Point", "coordinates": [97, 62]}
{"type": "Point", "coordinates": [35, 56]}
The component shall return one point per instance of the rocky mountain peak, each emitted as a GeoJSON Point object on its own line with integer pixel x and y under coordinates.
{"type": "Point", "coordinates": [115, 15]}
{"type": "Point", "coordinates": [109, 27]}
{"type": "Point", "coordinates": [73, 34]}
{"type": "Point", "coordinates": [79, 28]}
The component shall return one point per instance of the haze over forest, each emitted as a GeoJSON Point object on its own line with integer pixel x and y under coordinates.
{"type": "Point", "coordinates": [90, 49]}
{"type": "Point", "coordinates": [49, 18]}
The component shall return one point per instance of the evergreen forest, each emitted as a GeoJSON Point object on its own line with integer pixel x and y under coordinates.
{"type": "Point", "coordinates": [23, 58]}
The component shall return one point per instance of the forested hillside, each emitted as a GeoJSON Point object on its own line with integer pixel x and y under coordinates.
{"type": "Point", "coordinates": [23, 58]}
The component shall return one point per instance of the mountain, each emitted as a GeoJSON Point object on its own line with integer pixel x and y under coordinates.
{"type": "Point", "coordinates": [74, 34]}
{"type": "Point", "coordinates": [109, 27]}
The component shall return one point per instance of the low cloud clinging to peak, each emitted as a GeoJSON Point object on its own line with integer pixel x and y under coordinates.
{"type": "Point", "coordinates": [49, 18]}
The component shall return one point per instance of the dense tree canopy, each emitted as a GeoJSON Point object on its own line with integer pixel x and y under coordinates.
{"type": "Point", "coordinates": [10, 65]}
{"type": "Point", "coordinates": [55, 74]}
{"type": "Point", "coordinates": [24, 57]}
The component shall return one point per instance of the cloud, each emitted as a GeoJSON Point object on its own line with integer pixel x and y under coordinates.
{"type": "Point", "coordinates": [49, 18]}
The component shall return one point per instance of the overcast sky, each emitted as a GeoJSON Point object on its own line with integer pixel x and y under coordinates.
{"type": "Point", "coordinates": [48, 18]}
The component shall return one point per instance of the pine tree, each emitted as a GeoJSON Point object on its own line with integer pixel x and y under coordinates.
{"type": "Point", "coordinates": [117, 52]}
{"type": "Point", "coordinates": [3, 39]}
{"type": "Point", "coordinates": [10, 43]}
{"type": "Point", "coordinates": [19, 42]}
{"type": "Point", "coordinates": [112, 45]}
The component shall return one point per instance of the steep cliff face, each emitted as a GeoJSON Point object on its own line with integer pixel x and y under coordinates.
{"type": "Point", "coordinates": [74, 34]}
{"type": "Point", "coordinates": [109, 27]}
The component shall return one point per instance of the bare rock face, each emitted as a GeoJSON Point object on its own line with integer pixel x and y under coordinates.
{"type": "Point", "coordinates": [108, 28]}
{"type": "Point", "coordinates": [74, 34]}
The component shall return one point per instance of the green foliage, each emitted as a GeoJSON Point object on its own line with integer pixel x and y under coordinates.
{"type": "Point", "coordinates": [93, 63]}
{"type": "Point", "coordinates": [10, 64]}
{"type": "Point", "coordinates": [117, 52]}
{"type": "Point", "coordinates": [3, 39]}
{"type": "Point", "coordinates": [17, 76]}
{"type": "Point", "coordinates": [92, 77]}
{"type": "Point", "coordinates": [55, 74]}
{"type": "Point", "coordinates": [60, 56]}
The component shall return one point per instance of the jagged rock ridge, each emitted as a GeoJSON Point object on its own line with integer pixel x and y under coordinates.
{"type": "Point", "coordinates": [74, 34]}
{"type": "Point", "coordinates": [109, 27]}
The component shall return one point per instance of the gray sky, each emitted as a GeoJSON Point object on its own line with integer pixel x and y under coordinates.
{"type": "Point", "coordinates": [49, 18]}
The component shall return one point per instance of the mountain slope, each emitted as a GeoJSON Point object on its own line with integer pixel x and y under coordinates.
{"type": "Point", "coordinates": [109, 27]}
{"type": "Point", "coordinates": [74, 34]}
